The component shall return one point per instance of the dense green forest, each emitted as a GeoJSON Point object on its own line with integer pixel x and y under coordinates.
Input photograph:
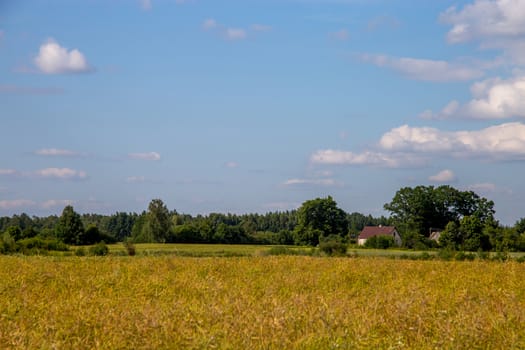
{"type": "Point", "coordinates": [465, 219]}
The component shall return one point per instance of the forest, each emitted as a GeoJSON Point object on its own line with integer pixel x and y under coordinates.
{"type": "Point", "coordinates": [466, 222]}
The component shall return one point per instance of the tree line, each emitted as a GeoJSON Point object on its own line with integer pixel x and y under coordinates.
{"type": "Point", "coordinates": [466, 222]}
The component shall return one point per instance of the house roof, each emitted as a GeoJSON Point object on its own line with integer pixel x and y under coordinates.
{"type": "Point", "coordinates": [371, 231]}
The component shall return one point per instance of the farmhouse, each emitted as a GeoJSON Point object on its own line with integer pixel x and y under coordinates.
{"type": "Point", "coordinates": [371, 231]}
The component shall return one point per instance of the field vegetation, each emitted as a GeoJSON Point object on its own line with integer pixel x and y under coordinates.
{"type": "Point", "coordinates": [259, 302]}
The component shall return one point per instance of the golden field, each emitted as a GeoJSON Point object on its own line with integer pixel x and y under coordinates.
{"type": "Point", "coordinates": [294, 302]}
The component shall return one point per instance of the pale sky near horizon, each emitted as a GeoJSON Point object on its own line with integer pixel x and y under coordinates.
{"type": "Point", "coordinates": [258, 105]}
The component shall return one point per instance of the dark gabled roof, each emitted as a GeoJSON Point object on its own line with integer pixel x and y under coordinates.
{"type": "Point", "coordinates": [371, 231]}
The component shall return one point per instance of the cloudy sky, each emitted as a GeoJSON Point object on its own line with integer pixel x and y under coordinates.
{"type": "Point", "coordinates": [258, 105]}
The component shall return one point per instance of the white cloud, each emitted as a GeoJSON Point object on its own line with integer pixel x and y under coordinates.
{"type": "Point", "coordinates": [55, 203]}
{"type": "Point", "coordinates": [485, 187]}
{"type": "Point", "coordinates": [341, 35]}
{"type": "Point", "coordinates": [16, 203]}
{"type": "Point", "coordinates": [60, 173]}
{"type": "Point", "coordinates": [491, 99]}
{"type": "Point", "coordinates": [316, 182]}
{"type": "Point", "coordinates": [145, 156]}
{"type": "Point", "coordinates": [407, 146]}
{"type": "Point", "coordinates": [8, 172]}
{"type": "Point", "coordinates": [486, 19]}
{"type": "Point", "coordinates": [499, 142]}
{"type": "Point", "coordinates": [424, 69]}
{"type": "Point", "coordinates": [443, 176]}
{"type": "Point", "coordinates": [56, 152]}
{"type": "Point", "coordinates": [380, 159]}
{"type": "Point", "coordinates": [55, 59]}
{"type": "Point", "coordinates": [235, 33]}
{"type": "Point", "coordinates": [232, 33]}
{"type": "Point", "coordinates": [494, 24]}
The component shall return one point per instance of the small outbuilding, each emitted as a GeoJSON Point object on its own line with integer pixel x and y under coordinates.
{"type": "Point", "coordinates": [371, 231]}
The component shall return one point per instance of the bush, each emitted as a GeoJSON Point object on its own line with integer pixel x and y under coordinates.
{"type": "Point", "coordinates": [99, 249]}
{"type": "Point", "coordinates": [460, 256]}
{"type": "Point", "coordinates": [521, 259]}
{"type": "Point", "coordinates": [31, 246]}
{"type": "Point", "coordinates": [130, 248]}
{"type": "Point", "coordinates": [333, 247]}
{"type": "Point", "coordinates": [81, 251]}
{"type": "Point", "coordinates": [446, 254]}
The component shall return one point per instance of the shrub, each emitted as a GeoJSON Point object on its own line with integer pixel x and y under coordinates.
{"type": "Point", "coordinates": [38, 245]}
{"type": "Point", "coordinates": [446, 254]}
{"type": "Point", "coordinates": [332, 245]}
{"type": "Point", "coordinates": [81, 251]}
{"type": "Point", "coordinates": [130, 248]}
{"type": "Point", "coordinates": [521, 259]}
{"type": "Point", "coordinates": [99, 249]}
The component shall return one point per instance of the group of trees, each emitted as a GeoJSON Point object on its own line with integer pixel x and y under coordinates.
{"type": "Point", "coordinates": [465, 219]}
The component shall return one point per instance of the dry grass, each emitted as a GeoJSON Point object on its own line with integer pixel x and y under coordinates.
{"type": "Point", "coordinates": [259, 303]}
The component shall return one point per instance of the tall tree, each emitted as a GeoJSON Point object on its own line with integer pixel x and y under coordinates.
{"type": "Point", "coordinates": [423, 207]}
{"type": "Point", "coordinates": [69, 228]}
{"type": "Point", "coordinates": [158, 221]}
{"type": "Point", "coordinates": [319, 217]}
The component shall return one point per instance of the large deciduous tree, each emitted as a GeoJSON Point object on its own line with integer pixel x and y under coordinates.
{"type": "Point", "coordinates": [319, 217]}
{"type": "Point", "coordinates": [424, 207]}
{"type": "Point", "coordinates": [69, 228]}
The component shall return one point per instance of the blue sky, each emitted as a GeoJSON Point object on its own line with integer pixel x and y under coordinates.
{"type": "Point", "coordinates": [258, 105]}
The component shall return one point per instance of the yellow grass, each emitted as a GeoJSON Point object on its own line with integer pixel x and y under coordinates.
{"type": "Point", "coordinates": [259, 303]}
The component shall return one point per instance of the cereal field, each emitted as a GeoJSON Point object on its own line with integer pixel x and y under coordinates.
{"type": "Point", "coordinates": [259, 302]}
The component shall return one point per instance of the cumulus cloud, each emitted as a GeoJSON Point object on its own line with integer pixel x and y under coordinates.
{"type": "Point", "coordinates": [424, 69]}
{"type": "Point", "coordinates": [491, 99]}
{"type": "Point", "coordinates": [315, 182]}
{"type": "Point", "coordinates": [145, 156]}
{"type": "Point", "coordinates": [341, 35]}
{"type": "Point", "coordinates": [443, 176]}
{"type": "Point", "coordinates": [407, 146]}
{"type": "Point", "coordinates": [16, 203]}
{"type": "Point", "coordinates": [380, 159]}
{"type": "Point", "coordinates": [55, 59]}
{"type": "Point", "coordinates": [56, 152]}
{"type": "Point", "coordinates": [232, 33]}
{"type": "Point", "coordinates": [60, 173]}
{"type": "Point", "coordinates": [485, 19]}
{"type": "Point", "coordinates": [494, 24]}
{"type": "Point", "coordinates": [503, 142]}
